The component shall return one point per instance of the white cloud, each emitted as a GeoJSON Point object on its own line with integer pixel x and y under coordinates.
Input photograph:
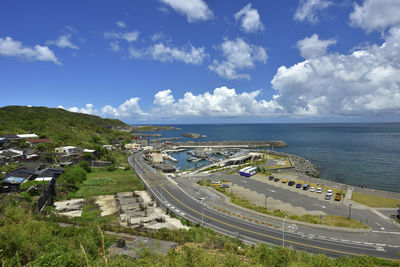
{"type": "Point", "coordinates": [238, 55]}
{"type": "Point", "coordinates": [311, 47]}
{"type": "Point", "coordinates": [194, 10]}
{"type": "Point", "coordinates": [308, 9]}
{"type": "Point", "coordinates": [127, 36]}
{"type": "Point", "coordinates": [189, 55]}
{"type": "Point", "coordinates": [13, 48]}
{"type": "Point", "coordinates": [121, 24]}
{"type": "Point", "coordinates": [250, 19]}
{"type": "Point", "coordinates": [63, 41]}
{"type": "Point", "coordinates": [129, 109]}
{"type": "Point", "coordinates": [222, 102]}
{"type": "Point", "coordinates": [376, 14]}
{"type": "Point", "coordinates": [114, 46]}
{"type": "Point", "coordinates": [362, 83]}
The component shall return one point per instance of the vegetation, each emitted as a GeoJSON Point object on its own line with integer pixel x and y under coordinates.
{"type": "Point", "coordinates": [103, 182]}
{"type": "Point", "coordinates": [64, 127]}
{"type": "Point", "coordinates": [34, 240]}
{"type": "Point", "coordinates": [375, 201]}
{"type": "Point", "coordinates": [152, 128]}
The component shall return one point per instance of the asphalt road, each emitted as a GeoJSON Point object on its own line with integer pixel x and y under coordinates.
{"type": "Point", "coordinates": [186, 206]}
{"type": "Point", "coordinates": [296, 199]}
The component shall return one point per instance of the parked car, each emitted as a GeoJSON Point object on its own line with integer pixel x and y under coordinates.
{"type": "Point", "coordinates": [298, 185]}
{"type": "Point", "coordinates": [320, 190]}
{"type": "Point", "coordinates": [312, 189]}
{"type": "Point", "coordinates": [216, 184]}
{"type": "Point", "coordinates": [276, 180]}
{"type": "Point", "coordinates": [328, 196]}
{"type": "Point", "coordinates": [284, 181]}
{"type": "Point", "coordinates": [306, 186]}
{"type": "Point", "coordinates": [338, 196]}
{"type": "Point", "coordinates": [329, 192]}
{"type": "Point", "coordinates": [271, 178]}
{"type": "Point", "coordinates": [291, 183]}
{"type": "Point", "coordinates": [224, 186]}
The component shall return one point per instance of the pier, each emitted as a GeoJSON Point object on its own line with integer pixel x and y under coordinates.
{"type": "Point", "coordinates": [232, 144]}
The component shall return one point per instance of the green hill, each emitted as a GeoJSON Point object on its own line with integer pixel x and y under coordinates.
{"type": "Point", "coordinates": [64, 127]}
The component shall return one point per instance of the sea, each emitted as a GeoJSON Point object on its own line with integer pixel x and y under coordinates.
{"type": "Point", "coordinates": [360, 154]}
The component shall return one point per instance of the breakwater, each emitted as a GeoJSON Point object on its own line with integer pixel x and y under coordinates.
{"type": "Point", "coordinates": [238, 144]}
{"type": "Point", "coordinates": [301, 165]}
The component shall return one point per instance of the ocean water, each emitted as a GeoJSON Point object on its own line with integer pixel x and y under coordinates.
{"type": "Point", "coordinates": [365, 154]}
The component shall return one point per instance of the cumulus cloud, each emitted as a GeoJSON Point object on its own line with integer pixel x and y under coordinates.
{"type": "Point", "coordinates": [308, 9]}
{"type": "Point", "coordinates": [189, 55]}
{"type": "Point", "coordinates": [127, 36]}
{"type": "Point", "coordinates": [121, 24]}
{"type": "Point", "coordinates": [238, 55]}
{"type": "Point", "coordinates": [365, 82]}
{"type": "Point", "coordinates": [63, 41]}
{"type": "Point", "coordinates": [194, 10]}
{"type": "Point", "coordinates": [250, 19]}
{"type": "Point", "coordinates": [222, 102]}
{"type": "Point", "coordinates": [311, 47]}
{"type": "Point", "coordinates": [376, 14]}
{"type": "Point", "coordinates": [13, 48]}
{"type": "Point", "coordinates": [129, 109]}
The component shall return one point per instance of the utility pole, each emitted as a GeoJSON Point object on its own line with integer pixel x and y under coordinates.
{"type": "Point", "coordinates": [350, 210]}
{"type": "Point", "coordinates": [265, 202]}
{"type": "Point", "coordinates": [283, 231]}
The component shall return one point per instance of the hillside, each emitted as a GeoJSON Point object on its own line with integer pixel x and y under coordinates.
{"type": "Point", "coordinates": [64, 127]}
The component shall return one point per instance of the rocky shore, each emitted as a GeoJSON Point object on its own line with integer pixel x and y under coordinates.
{"type": "Point", "coordinates": [301, 165]}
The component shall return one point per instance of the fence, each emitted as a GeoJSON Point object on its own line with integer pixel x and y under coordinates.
{"type": "Point", "coordinates": [47, 197]}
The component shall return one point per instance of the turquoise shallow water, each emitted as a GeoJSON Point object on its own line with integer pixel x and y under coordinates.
{"type": "Point", "coordinates": [357, 154]}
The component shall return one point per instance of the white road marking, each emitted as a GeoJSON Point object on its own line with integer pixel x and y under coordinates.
{"type": "Point", "coordinates": [273, 191]}
{"type": "Point", "coordinates": [380, 249]}
{"type": "Point", "coordinates": [244, 182]}
{"type": "Point", "coordinates": [322, 206]}
{"type": "Point", "coordinates": [384, 232]}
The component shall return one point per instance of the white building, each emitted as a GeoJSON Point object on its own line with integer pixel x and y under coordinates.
{"type": "Point", "coordinates": [26, 136]}
{"type": "Point", "coordinates": [66, 149]}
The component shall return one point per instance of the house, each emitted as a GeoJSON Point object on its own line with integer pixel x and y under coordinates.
{"type": "Point", "coordinates": [11, 156]}
{"type": "Point", "coordinates": [33, 142]}
{"type": "Point", "coordinates": [66, 150]}
{"type": "Point", "coordinates": [27, 136]}
{"type": "Point", "coordinates": [11, 137]}
{"type": "Point", "coordinates": [156, 157]}
{"type": "Point", "coordinates": [11, 184]}
{"type": "Point", "coordinates": [88, 150]}
{"type": "Point", "coordinates": [132, 146]}
{"type": "Point", "coordinates": [24, 173]}
{"type": "Point", "coordinates": [147, 148]}
{"type": "Point", "coordinates": [51, 172]}
{"type": "Point", "coordinates": [142, 141]}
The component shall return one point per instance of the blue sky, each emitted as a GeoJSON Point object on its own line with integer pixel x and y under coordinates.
{"type": "Point", "coordinates": [196, 61]}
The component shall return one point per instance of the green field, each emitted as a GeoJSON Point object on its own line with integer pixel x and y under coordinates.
{"type": "Point", "coordinates": [101, 182]}
{"type": "Point", "coordinates": [375, 201]}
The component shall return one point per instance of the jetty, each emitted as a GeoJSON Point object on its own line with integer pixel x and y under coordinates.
{"type": "Point", "coordinates": [232, 144]}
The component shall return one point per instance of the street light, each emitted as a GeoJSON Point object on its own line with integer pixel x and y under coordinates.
{"type": "Point", "coordinates": [350, 210]}
{"type": "Point", "coordinates": [283, 231]}
{"type": "Point", "coordinates": [265, 201]}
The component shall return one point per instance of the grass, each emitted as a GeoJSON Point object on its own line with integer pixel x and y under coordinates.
{"type": "Point", "coordinates": [375, 201]}
{"type": "Point", "coordinates": [330, 220]}
{"type": "Point", "coordinates": [91, 213]}
{"type": "Point", "coordinates": [101, 182]}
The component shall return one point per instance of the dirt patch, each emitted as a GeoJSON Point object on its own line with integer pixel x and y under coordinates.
{"type": "Point", "coordinates": [107, 204]}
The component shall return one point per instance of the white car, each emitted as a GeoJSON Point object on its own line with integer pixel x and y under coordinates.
{"type": "Point", "coordinates": [329, 192]}
{"type": "Point", "coordinates": [312, 189]}
{"type": "Point", "coordinates": [320, 190]}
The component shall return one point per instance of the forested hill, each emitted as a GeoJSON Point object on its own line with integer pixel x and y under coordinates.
{"type": "Point", "coordinates": [64, 127]}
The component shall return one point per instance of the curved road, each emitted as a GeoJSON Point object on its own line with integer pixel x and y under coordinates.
{"type": "Point", "coordinates": [182, 204]}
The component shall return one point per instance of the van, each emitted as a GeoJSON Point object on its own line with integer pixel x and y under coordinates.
{"type": "Point", "coordinates": [306, 186]}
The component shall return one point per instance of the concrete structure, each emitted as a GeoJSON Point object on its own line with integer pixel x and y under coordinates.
{"type": "Point", "coordinates": [132, 146]}
{"type": "Point", "coordinates": [66, 149]}
{"type": "Point", "coordinates": [156, 157]}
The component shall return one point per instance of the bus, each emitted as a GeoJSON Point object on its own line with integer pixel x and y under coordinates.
{"type": "Point", "coordinates": [250, 171]}
{"type": "Point", "coordinates": [243, 170]}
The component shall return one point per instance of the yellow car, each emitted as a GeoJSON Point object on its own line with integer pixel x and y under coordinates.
{"type": "Point", "coordinates": [216, 184]}
{"type": "Point", "coordinates": [284, 181]}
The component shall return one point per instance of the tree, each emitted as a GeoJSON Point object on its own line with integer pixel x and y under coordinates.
{"type": "Point", "coordinates": [86, 166]}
